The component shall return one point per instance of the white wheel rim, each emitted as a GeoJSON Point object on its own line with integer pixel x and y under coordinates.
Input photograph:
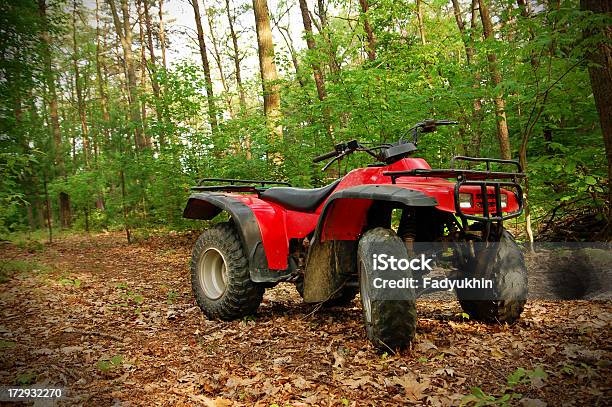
{"type": "Point", "coordinates": [366, 301]}
{"type": "Point", "coordinates": [212, 273]}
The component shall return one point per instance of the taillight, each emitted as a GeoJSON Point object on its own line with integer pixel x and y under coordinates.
{"type": "Point", "coordinates": [466, 200]}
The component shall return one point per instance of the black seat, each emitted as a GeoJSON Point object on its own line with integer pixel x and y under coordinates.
{"type": "Point", "coordinates": [298, 199]}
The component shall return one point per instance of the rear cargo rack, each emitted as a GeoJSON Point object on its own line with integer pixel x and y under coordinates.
{"type": "Point", "coordinates": [483, 179]}
{"type": "Point", "coordinates": [230, 185]}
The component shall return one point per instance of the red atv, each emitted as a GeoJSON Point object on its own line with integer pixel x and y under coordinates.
{"type": "Point", "coordinates": [325, 239]}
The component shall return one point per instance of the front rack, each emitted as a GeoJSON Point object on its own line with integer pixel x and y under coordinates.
{"type": "Point", "coordinates": [232, 187]}
{"type": "Point", "coordinates": [483, 179]}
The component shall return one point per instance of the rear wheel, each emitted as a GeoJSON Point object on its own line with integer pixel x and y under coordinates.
{"type": "Point", "coordinates": [390, 324]}
{"type": "Point", "coordinates": [503, 264]}
{"type": "Point", "coordinates": [220, 275]}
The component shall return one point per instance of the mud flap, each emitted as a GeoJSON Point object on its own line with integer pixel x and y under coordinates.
{"type": "Point", "coordinates": [328, 266]}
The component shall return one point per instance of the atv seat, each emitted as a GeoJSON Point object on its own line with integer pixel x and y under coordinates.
{"type": "Point", "coordinates": [298, 199]}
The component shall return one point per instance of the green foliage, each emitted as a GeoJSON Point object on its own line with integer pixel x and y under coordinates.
{"type": "Point", "coordinates": [115, 185]}
{"type": "Point", "coordinates": [520, 377]}
{"type": "Point", "coordinates": [110, 365]}
{"type": "Point", "coordinates": [9, 268]}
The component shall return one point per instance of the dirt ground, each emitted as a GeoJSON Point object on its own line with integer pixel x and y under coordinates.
{"type": "Point", "coordinates": [116, 324]}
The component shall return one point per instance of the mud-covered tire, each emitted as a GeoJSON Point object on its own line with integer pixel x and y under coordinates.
{"type": "Point", "coordinates": [343, 298]}
{"type": "Point", "coordinates": [390, 324]}
{"type": "Point", "coordinates": [502, 263]}
{"type": "Point", "coordinates": [227, 294]}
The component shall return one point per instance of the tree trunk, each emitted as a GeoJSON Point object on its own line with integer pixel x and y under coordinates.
{"type": "Point", "coordinates": [469, 56]}
{"type": "Point", "coordinates": [99, 77]}
{"type": "Point", "coordinates": [371, 46]}
{"type": "Point", "coordinates": [53, 112]}
{"type": "Point", "coordinates": [48, 210]}
{"type": "Point", "coordinates": [162, 33]}
{"type": "Point", "coordinates": [124, 32]}
{"type": "Point", "coordinates": [219, 62]}
{"type": "Point", "coordinates": [600, 72]}
{"type": "Point", "coordinates": [52, 94]}
{"type": "Point", "coordinates": [419, 7]}
{"type": "Point", "coordinates": [310, 42]}
{"type": "Point", "coordinates": [79, 90]}
{"type": "Point", "coordinates": [269, 75]}
{"type": "Point", "coordinates": [143, 73]}
{"type": "Point", "coordinates": [316, 68]}
{"type": "Point", "coordinates": [212, 111]}
{"type": "Point", "coordinates": [235, 55]}
{"type": "Point", "coordinates": [500, 103]}
{"type": "Point", "coordinates": [334, 65]}
{"type": "Point", "coordinates": [153, 69]}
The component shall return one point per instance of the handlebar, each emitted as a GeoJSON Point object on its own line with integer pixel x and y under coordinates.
{"type": "Point", "coordinates": [325, 156]}
{"type": "Point", "coordinates": [386, 152]}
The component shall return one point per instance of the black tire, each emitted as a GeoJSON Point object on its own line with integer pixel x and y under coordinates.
{"type": "Point", "coordinates": [343, 298]}
{"type": "Point", "coordinates": [390, 324]}
{"type": "Point", "coordinates": [504, 265]}
{"type": "Point", "coordinates": [231, 294]}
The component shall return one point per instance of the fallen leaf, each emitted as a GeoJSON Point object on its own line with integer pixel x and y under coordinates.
{"type": "Point", "coordinates": [414, 389]}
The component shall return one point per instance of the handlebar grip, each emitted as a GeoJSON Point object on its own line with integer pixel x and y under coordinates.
{"type": "Point", "coordinates": [325, 156]}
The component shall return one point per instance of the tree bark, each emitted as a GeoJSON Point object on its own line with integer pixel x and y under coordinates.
{"type": "Point", "coordinates": [153, 68]}
{"type": "Point", "coordinates": [219, 61]}
{"type": "Point", "coordinates": [468, 44]}
{"type": "Point", "coordinates": [269, 75]}
{"type": "Point", "coordinates": [235, 55]}
{"type": "Point", "coordinates": [371, 40]}
{"type": "Point", "coordinates": [419, 7]}
{"type": "Point", "coordinates": [52, 93]}
{"type": "Point", "coordinates": [212, 111]}
{"type": "Point", "coordinates": [64, 199]}
{"type": "Point", "coordinates": [124, 32]}
{"type": "Point", "coordinates": [143, 73]}
{"type": "Point", "coordinates": [162, 33]}
{"type": "Point", "coordinates": [500, 103]}
{"type": "Point", "coordinates": [310, 42]}
{"type": "Point", "coordinates": [79, 90]}
{"type": "Point", "coordinates": [99, 77]}
{"type": "Point", "coordinates": [600, 72]}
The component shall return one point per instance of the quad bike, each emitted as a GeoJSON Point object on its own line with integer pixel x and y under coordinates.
{"type": "Point", "coordinates": [324, 239]}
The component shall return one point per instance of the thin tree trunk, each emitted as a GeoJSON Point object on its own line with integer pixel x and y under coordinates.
{"type": "Point", "coordinates": [419, 7]}
{"type": "Point", "coordinates": [269, 75]}
{"type": "Point", "coordinates": [99, 78]}
{"type": "Point", "coordinates": [162, 33]}
{"type": "Point", "coordinates": [219, 62]}
{"type": "Point", "coordinates": [600, 73]}
{"type": "Point", "coordinates": [126, 224]}
{"type": "Point", "coordinates": [316, 68]}
{"type": "Point", "coordinates": [48, 211]}
{"type": "Point", "coordinates": [153, 68]}
{"type": "Point", "coordinates": [79, 90]}
{"type": "Point", "coordinates": [334, 65]}
{"type": "Point", "coordinates": [124, 32]}
{"type": "Point", "coordinates": [284, 32]}
{"type": "Point", "coordinates": [310, 42]}
{"type": "Point", "coordinates": [64, 199]}
{"type": "Point", "coordinates": [212, 111]}
{"type": "Point", "coordinates": [500, 103]}
{"type": "Point", "coordinates": [469, 56]}
{"type": "Point", "coordinates": [143, 73]}
{"type": "Point", "coordinates": [235, 55]}
{"type": "Point", "coordinates": [371, 45]}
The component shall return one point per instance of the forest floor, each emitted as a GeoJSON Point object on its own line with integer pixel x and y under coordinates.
{"type": "Point", "coordinates": [116, 324]}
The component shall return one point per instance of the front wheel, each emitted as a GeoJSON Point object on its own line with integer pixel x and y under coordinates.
{"type": "Point", "coordinates": [502, 264]}
{"type": "Point", "coordinates": [390, 323]}
{"type": "Point", "coordinates": [220, 275]}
